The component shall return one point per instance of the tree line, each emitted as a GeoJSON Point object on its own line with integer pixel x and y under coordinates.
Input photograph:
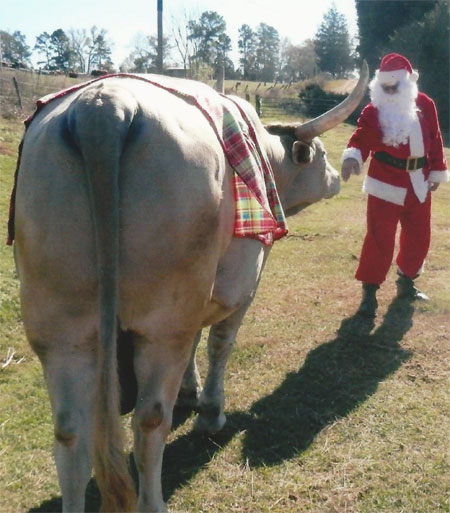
{"type": "Point", "coordinates": [419, 30]}
{"type": "Point", "coordinates": [75, 50]}
{"type": "Point", "coordinates": [201, 44]}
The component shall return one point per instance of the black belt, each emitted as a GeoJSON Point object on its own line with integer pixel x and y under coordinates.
{"type": "Point", "coordinates": [409, 164]}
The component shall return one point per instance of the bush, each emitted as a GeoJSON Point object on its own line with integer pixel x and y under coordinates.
{"type": "Point", "coordinates": [316, 101]}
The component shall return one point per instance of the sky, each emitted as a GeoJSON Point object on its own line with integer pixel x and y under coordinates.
{"type": "Point", "coordinates": [296, 20]}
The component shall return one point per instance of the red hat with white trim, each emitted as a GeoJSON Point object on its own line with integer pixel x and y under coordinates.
{"type": "Point", "coordinates": [394, 68]}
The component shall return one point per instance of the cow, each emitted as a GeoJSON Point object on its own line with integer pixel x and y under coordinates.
{"type": "Point", "coordinates": [124, 216]}
{"type": "Point", "coordinates": [99, 72]}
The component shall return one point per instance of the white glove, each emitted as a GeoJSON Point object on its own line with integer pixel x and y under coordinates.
{"type": "Point", "coordinates": [350, 167]}
{"type": "Point", "coordinates": [432, 186]}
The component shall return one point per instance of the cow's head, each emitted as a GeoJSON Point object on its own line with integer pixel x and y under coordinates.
{"type": "Point", "coordinates": [303, 173]}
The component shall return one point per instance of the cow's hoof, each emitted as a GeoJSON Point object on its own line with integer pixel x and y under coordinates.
{"type": "Point", "coordinates": [209, 422]}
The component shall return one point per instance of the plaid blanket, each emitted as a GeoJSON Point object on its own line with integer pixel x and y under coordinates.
{"type": "Point", "coordinates": [258, 210]}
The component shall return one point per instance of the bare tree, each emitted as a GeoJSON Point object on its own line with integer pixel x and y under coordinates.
{"type": "Point", "coordinates": [180, 33]}
{"type": "Point", "coordinates": [97, 48]}
{"type": "Point", "coordinates": [144, 56]}
{"type": "Point", "coordinates": [78, 41]}
{"type": "Point", "coordinates": [91, 48]}
{"type": "Point", "coordinates": [298, 62]}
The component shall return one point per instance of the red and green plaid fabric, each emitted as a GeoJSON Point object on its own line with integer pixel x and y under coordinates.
{"type": "Point", "coordinates": [258, 208]}
{"type": "Point", "coordinates": [259, 213]}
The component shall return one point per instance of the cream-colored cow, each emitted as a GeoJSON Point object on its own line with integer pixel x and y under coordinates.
{"type": "Point", "coordinates": [124, 223]}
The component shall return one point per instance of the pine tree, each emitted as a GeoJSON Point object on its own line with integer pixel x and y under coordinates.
{"type": "Point", "coordinates": [378, 20]}
{"type": "Point", "coordinates": [63, 56]}
{"type": "Point", "coordinates": [267, 52]}
{"type": "Point", "coordinates": [247, 50]}
{"type": "Point", "coordinates": [425, 42]}
{"type": "Point", "coordinates": [332, 44]}
{"type": "Point", "coordinates": [210, 40]}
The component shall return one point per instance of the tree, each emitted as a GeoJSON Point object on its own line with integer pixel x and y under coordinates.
{"type": "Point", "coordinates": [378, 20]}
{"type": "Point", "coordinates": [44, 45]}
{"type": "Point", "coordinates": [267, 52]}
{"type": "Point", "coordinates": [425, 42]}
{"type": "Point", "coordinates": [56, 49]}
{"type": "Point", "coordinates": [332, 44]}
{"type": "Point", "coordinates": [64, 57]}
{"type": "Point", "coordinates": [97, 49]}
{"type": "Point", "coordinates": [247, 50]}
{"type": "Point", "coordinates": [298, 62]}
{"type": "Point", "coordinates": [101, 53]}
{"type": "Point", "coordinates": [211, 44]}
{"type": "Point", "coordinates": [180, 33]}
{"type": "Point", "coordinates": [78, 43]}
{"type": "Point", "coordinates": [14, 48]}
{"type": "Point", "coordinates": [143, 59]}
{"type": "Point", "coordinates": [90, 49]}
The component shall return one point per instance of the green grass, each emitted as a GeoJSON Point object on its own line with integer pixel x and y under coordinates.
{"type": "Point", "coordinates": [316, 423]}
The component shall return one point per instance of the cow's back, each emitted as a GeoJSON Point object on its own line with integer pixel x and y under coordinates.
{"type": "Point", "coordinates": [175, 202]}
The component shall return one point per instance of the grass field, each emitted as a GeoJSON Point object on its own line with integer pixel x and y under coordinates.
{"type": "Point", "coordinates": [316, 422]}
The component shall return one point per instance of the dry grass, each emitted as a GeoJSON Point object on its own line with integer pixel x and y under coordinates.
{"type": "Point", "coordinates": [316, 422]}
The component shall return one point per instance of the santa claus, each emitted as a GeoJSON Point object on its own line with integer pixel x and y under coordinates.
{"type": "Point", "coordinates": [399, 130]}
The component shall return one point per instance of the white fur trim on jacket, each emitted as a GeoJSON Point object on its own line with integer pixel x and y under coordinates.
{"type": "Point", "coordinates": [352, 153]}
{"type": "Point", "coordinates": [439, 176]}
{"type": "Point", "coordinates": [392, 77]}
{"type": "Point", "coordinates": [417, 149]}
{"type": "Point", "coordinates": [384, 191]}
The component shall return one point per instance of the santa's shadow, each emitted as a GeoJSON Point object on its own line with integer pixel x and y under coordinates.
{"type": "Point", "coordinates": [334, 380]}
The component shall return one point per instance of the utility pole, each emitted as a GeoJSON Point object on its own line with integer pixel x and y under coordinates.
{"type": "Point", "coordinates": [160, 36]}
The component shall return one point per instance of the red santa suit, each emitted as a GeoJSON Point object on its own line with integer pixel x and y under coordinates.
{"type": "Point", "coordinates": [397, 182]}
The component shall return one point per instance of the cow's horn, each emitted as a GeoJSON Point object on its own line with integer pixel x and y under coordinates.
{"type": "Point", "coordinates": [338, 114]}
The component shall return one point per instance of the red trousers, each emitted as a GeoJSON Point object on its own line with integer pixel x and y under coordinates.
{"type": "Point", "coordinates": [379, 244]}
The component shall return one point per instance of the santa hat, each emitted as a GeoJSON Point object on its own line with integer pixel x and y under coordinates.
{"type": "Point", "coordinates": [395, 68]}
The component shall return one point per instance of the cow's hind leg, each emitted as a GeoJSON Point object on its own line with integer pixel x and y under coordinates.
{"type": "Point", "coordinates": [211, 418]}
{"type": "Point", "coordinates": [159, 368]}
{"type": "Point", "coordinates": [71, 380]}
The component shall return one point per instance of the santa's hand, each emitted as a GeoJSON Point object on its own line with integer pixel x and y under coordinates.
{"type": "Point", "coordinates": [350, 167]}
{"type": "Point", "coordinates": [432, 186]}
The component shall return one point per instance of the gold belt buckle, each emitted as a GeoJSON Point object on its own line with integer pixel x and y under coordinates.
{"type": "Point", "coordinates": [411, 163]}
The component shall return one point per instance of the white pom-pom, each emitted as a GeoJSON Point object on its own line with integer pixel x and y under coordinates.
{"type": "Point", "coordinates": [414, 76]}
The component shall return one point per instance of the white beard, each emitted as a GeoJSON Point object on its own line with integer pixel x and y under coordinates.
{"type": "Point", "coordinates": [396, 112]}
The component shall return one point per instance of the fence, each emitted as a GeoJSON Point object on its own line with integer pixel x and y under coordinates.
{"type": "Point", "coordinates": [272, 108]}
{"type": "Point", "coordinates": [19, 89]}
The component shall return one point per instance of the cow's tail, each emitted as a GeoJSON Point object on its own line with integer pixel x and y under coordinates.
{"type": "Point", "coordinates": [99, 123]}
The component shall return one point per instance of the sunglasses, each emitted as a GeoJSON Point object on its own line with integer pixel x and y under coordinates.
{"type": "Point", "coordinates": [390, 88]}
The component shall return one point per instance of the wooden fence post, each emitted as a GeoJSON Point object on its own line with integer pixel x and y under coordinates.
{"type": "Point", "coordinates": [16, 85]}
{"type": "Point", "coordinates": [258, 104]}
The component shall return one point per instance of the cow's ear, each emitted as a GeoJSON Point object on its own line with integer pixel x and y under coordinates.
{"type": "Point", "coordinates": [302, 152]}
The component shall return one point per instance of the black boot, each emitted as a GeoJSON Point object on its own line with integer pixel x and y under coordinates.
{"type": "Point", "coordinates": [369, 303]}
{"type": "Point", "coordinates": [407, 290]}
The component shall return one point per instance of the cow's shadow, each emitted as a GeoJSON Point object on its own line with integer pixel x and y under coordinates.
{"type": "Point", "coordinates": [335, 378]}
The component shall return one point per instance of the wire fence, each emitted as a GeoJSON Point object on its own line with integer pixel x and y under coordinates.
{"type": "Point", "coordinates": [19, 90]}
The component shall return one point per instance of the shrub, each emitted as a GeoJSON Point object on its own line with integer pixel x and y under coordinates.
{"type": "Point", "coordinates": [316, 101]}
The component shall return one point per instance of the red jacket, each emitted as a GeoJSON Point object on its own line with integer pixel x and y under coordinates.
{"type": "Point", "coordinates": [390, 183]}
